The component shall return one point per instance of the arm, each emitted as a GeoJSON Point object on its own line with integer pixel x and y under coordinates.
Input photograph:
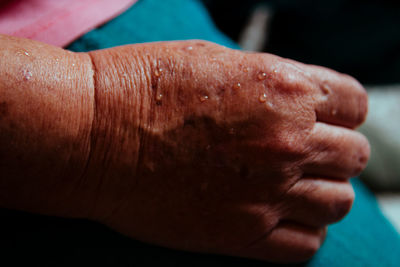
{"type": "Point", "coordinates": [46, 114]}
{"type": "Point", "coordinates": [188, 145]}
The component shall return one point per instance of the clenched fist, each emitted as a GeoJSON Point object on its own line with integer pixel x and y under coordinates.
{"type": "Point", "coordinates": [188, 145]}
{"type": "Point", "coordinates": [204, 148]}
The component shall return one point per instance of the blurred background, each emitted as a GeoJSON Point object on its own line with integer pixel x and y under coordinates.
{"type": "Point", "coordinates": [357, 37]}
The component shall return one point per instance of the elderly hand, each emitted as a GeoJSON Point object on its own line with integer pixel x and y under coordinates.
{"type": "Point", "coordinates": [204, 148]}
{"type": "Point", "coordinates": [187, 145]}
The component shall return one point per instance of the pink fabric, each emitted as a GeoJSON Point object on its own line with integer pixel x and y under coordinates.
{"type": "Point", "coordinates": [57, 22]}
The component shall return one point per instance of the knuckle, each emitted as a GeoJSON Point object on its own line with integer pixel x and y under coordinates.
{"type": "Point", "coordinates": [290, 82]}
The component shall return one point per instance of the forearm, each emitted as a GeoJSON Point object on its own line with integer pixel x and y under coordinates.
{"type": "Point", "coordinates": [46, 116]}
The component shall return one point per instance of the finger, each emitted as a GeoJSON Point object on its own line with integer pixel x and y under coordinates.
{"type": "Point", "coordinates": [343, 100]}
{"type": "Point", "coordinates": [287, 243]}
{"type": "Point", "coordinates": [318, 202]}
{"type": "Point", "coordinates": [336, 152]}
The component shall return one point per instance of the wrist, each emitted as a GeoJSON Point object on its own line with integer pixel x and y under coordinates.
{"type": "Point", "coordinates": [120, 93]}
{"type": "Point", "coordinates": [47, 95]}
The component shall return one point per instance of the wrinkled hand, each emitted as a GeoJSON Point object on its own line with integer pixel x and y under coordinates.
{"type": "Point", "coordinates": [204, 148]}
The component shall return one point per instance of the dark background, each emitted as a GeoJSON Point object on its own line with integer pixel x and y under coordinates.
{"type": "Point", "coordinates": [358, 37]}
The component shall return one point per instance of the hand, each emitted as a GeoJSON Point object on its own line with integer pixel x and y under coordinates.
{"type": "Point", "coordinates": [208, 149]}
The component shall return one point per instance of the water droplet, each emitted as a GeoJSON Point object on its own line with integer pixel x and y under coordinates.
{"type": "Point", "coordinates": [159, 97]}
{"type": "Point", "coordinates": [73, 64]}
{"type": "Point", "coordinates": [203, 98]}
{"type": "Point", "coordinates": [263, 98]}
{"type": "Point", "coordinates": [213, 59]}
{"type": "Point", "coordinates": [261, 76]}
{"type": "Point", "coordinates": [27, 75]}
{"type": "Point", "coordinates": [158, 72]}
{"type": "Point", "coordinates": [26, 53]}
{"type": "Point", "coordinates": [189, 48]}
{"type": "Point", "coordinates": [237, 86]}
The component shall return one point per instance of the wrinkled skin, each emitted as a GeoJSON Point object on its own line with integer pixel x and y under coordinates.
{"type": "Point", "coordinates": [194, 148]}
{"type": "Point", "coordinates": [159, 142]}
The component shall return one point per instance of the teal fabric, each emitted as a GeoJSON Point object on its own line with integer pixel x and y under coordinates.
{"type": "Point", "coordinates": [151, 21]}
{"type": "Point", "coordinates": [363, 238]}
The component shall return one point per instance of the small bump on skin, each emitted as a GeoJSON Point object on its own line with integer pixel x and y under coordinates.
{"type": "Point", "coordinates": [27, 75]}
{"type": "Point", "coordinates": [158, 72]}
{"type": "Point", "coordinates": [325, 89]}
{"type": "Point", "coordinates": [237, 86]}
{"type": "Point", "coordinates": [261, 76]}
{"type": "Point", "coordinates": [334, 112]}
{"type": "Point", "coordinates": [159, 98]}
{"type": "Point", "coordinates": [262, 98]}
{"type": "Point", "coordinates": [203, 98]}
{"type": "Point", "coordinates": [232, 131]}
{"type": "Point", "coordinates": [246, 69]}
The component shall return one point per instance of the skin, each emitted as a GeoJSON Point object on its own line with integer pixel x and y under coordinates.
{"type": "Point", "coordinates": [187, 145]}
